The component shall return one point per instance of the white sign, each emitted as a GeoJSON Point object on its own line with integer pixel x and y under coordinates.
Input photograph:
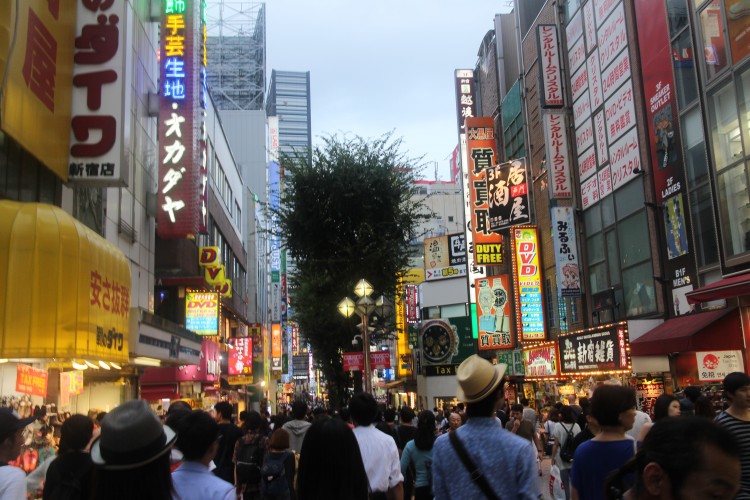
{"type": "Point", "coordinates": [600, 130]}
{"type": "Point", "coordinates": [549, 56]}
{"type": "Point", "coordinates": [612, 36]}
{"type": "Point", "coordinates": [589, 192]}
{"type": "Point", "coordinates": [625, 156]}
{"type": "Point", "coordinates": [592, 63]}
{"type": "Point", "coordinates": [587, 164]}
{"type": "Point", "coordinates": [475, 272]}
{"type": "Point", "coordinates": [558, 159]}
{"type": "Point", "coordinates": [713, 366]}
{"type": "Point", "coordinates": [617, 74]}
{"type": "Point", "coordinates": [581, 109]}
{"type": "Point", "coordinates": [603, 8]}
{"type": "Point", "coordinates": [619, 111]}
{"type": "Point", "coordinates": [98, 114]}
{"type": "Point", "coordinates": [576, 55]}
{"type": "Point", "coordinates": [584, 135]}
{"type": "Point", "coordinates": [273, 138]}
{"type": "Point", "coordinates": [574, 29]}
{"type": "Point", "coordinates": [580, 82]}
{"type": "Point", "coordinates": [589, 25]}
{"type": "Point", "coordinates": [605, 182]}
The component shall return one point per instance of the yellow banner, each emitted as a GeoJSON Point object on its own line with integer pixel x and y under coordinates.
{"type": "Point", "coordinates": [240, 379]}
{"type": "Point", "coordinates": [36, 104]}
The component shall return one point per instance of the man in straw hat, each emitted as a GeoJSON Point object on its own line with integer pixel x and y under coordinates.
{"type": "Point", "coordinates": [501, 463]}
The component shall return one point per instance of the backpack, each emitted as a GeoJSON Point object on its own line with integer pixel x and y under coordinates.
{"type": "Point", "coordinates": [248, 467]}
{"type": "Point", "coordinates": [273, 482]}
{"type": "Point", "coordinates": [568, 449]}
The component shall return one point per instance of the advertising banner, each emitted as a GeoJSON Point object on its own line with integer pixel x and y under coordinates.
{"type": "Point", "coordinates": [646, 392]}
{"type": "Point", "coordinates": [577, 55]}
{"type": "Point", "coordinates": [625, 158]}
{"type": "Point", "coordinates": [602, 349]}
{"type": "Point", "coordinates": [589, 192]}
{"type": "Point", "coordinates": [445, 257]}
{"type": "Point", "coordinates": [493, 318]}
{"type": "Point", "coordinates": [183, 177]}
{"type": "Point", "coordinates": [579, 83]}
{"type": "Point", "coordinates": [445, 341]}
{"type": "Point", "coordinates": [715, 365]}
{"type": "Point", "coordinates": [354, 361]}
{"type": "Point", "coordinates": [665, 149]}
{"type": "Point", "coordinates": [612, 35]}
{"type": "Point", "coordinates": [239, 379]}
{"type": "Point", "coordinates": [558, 157]}
{"type": "Point", "coordinates": [589, 25]}
{"type": "Point", "coordinates": [202, 312]}
{"type": "Point", "coordinates": [527, 280]}
{"type": "Point", "coordinates": [581, 108]}
{"type": "Point", "coordinates": [482, 155]}
{"type": "Point", "coordinates": [600, 130]}
{"type": "Point", "coordinates": [552, 93]}
{"type": "Point", "coordinates": [240, 360]}
{"type": "Point", "coordinates": [508, 195]}
{"type": "Point", "coordinates": [541, 361]}
{"type": "Point", "coordinates": [605, 182]}
{"type": "Point", "coordinates": [585, 135]}
{"type": "Point", "coordinates": [31, 380]}
{"type": "Point", "coordinates": [411, 301]}
{"type": "Point", "coordinates": [587, 164]}
{"type": "Point", "coordinates": [276, 346]}
{"type": "Point", "coordinates": [595, 77]}
{"type": "Point", "coordinates": [616, 74]}
{"type": "Point", "coordinates": [514, 360]}
{"type": "Point", "coordinates": [566, 252]}
{"type": "Point", "coordinates": [465, 105]}
{"type": "Point", "coordinates": [619, 111]}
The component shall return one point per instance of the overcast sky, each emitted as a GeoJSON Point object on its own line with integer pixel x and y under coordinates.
{"type": "Point", "coordinates": [381, 66]}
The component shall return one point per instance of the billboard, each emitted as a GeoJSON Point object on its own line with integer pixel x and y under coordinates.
{"type": "Point", "coordinates": [493, 318]}
{"type": "Point", "coordinates": [240, 360]}
{"type": "Point", "coordinates": [446, 341]}
{"type": "Point", "coordinates": [276, 346]}
{"type": "Point", "coordinates": [465, 105]}
{"type": "Point", "coordinates": [354, 361]}
{"type": "Point", "coordinates": [566, 252]}
{"type": "Point", "coordinates": [202, 312]}
{"type": "Point", "coordinates": [182, 208]}
{"type": "Point", "coordinates": [445, 257]}
{"type": "Point", "coordinates": [527, 280]}
{"type": "Point", "coordinates": [552, 93]}
{"type": "Point", "coordinates": [508, 195]}
{"type": "Point", "coordinates": [541, 361]}
{"type": "Point", "coordinates": [603, 349]}
{"type": "Point", "coordinates": [558, 157]}
{"type": "Point", "coordinates": [101, 107]}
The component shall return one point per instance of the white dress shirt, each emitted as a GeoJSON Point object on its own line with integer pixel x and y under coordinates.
{"type": "Point", "coordinates": [380, 455]}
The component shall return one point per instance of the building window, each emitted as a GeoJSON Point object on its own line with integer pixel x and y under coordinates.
{"type": "Point", "coordinates": [712, 31]}
{"type": "Point", "coordinates": [550, 303]}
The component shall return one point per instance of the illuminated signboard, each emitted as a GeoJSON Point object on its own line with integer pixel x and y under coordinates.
{"type": "Point", "coordinates": [527, 278]}
{"type": "Point", "coordinates": [202, 312]}
{"type": "Point", "coordinates": [541, 361]}
{"type": "Point", "coordinates": [276, 346]}
{"type": "Point", "coordinates": [507, 195]}
{"type": "Point", "coordinates": [465, 105]}
{"type": "Point", "coordinates": [600, 350]}
{"type": "Point", "coordinates": [241, 357]}
{"type": "Point", "coordinates": [183, 175]}
{"type": "Point", "coordinates": [214, 271]}
{"type": "Point", "coordinates": [495, 323]}
{"type": "Point", "coordinates": [445, 257]}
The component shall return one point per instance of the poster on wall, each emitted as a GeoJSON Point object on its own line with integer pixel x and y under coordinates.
{"type": "Point", "coordinates": [508, 195]}
{"type": "Point", "coordinates": [445, 257]}
{"type": "Point", "coordinates": [527, 281]}
{"type": "Point", "coordinates": [493, 312]}
{"type": "Point", "coordinates": [713, 366]}
{"type": "Point", "coordinates": [566, 252]}
{"type": "Point", "coordinates": [31, 380]}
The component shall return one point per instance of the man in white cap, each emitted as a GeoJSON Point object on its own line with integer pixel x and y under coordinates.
{"type": "Point", "coordinates": [12, 479]}
{"type": "Point", "coordinates": [480, 459]}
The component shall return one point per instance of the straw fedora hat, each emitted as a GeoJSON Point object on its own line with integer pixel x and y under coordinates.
{"type": "Point", "coordinates": [131, 436]}
{"type": "Point", "coordinates": [477, 378]}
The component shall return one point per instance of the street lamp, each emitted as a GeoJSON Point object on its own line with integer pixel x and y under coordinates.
{"type": "Point", "coordinates": [364, 306]}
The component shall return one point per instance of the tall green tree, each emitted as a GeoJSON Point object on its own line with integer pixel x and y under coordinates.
{"type": "Point", "coordinates": [347, 213]}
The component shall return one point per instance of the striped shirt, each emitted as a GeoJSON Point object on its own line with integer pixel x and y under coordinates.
{"type": "Point", "coordinates": [740, 429]}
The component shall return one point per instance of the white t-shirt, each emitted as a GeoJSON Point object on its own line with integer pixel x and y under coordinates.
{"type": "Point", "coordinates": [12, 483]}
{"type": "Point", "coordinates": [380, 456]}
{"type": "Point", "coordinates": [561, 432]}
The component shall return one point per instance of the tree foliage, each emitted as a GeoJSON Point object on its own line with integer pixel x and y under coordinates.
{"type": "Point", "coordinates": [346, 214]}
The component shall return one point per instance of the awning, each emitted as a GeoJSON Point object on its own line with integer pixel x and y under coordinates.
{"type": "Point", "coordinates": [720, 329]}
{"type": "Point", "coordinates": [64, 290]}
{"type": "Point", "coordinates": [161, 391]}
{"type": "Point", "coordinates": [734, 286]}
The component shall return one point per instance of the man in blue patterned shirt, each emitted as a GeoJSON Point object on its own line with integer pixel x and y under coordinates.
{"type": "Point", "coordinates": [506, 461]}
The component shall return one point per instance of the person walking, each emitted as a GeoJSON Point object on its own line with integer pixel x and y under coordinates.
{"type": "Point", "coordinates": [406, 432]}
{"type": "Point", "coordinates": [480, 459]}
{"type": "Point", "coordinates": [418, 455]}
{"type": "Point", "coordinates": [297, 427]}
{"type": "Point", "coordinates": [198, 440]}
{"type": "Point", "coordinates": [228, 436]}
{"type": "Point", "coordinates": [736, 419]}
{"type": "Point", "coordinates": [69, 474]}
{"type": "Point", "coordinates": [248, 457]}
{"type": "Point", "coordinates": [279, 468]}
{"type": "Point", "coordinates": [565, 429]}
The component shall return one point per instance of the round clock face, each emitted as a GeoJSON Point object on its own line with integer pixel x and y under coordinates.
{"type": "Point", "coordinates": [500, 297]}
{"type": "Point", "coordinates": [437, 341]}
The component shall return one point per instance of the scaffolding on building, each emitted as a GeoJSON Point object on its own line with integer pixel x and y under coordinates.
{"type": "Point", "coordinates": [236, 45]}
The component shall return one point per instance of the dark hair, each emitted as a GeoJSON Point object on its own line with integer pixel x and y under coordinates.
{"type": "Point", "coordinates": [345, 414]}
{"type": "Point", "coordinates": [299, 409]}
{"type": "Point", "coordinates": [584, 402]}
{"type": "Point", "coordinates": [243, 415]}
{"type": "Point", "coordinates": [364, 408]}
{"type": "Point", "coordinates": [526, 430]}
{"type": "Point", "coordinates": [553, 414]}
{"type": "Point", "coordinates": [75, 433]}
{"type": "Point", "coordinates": [330, 463]}
{"type": "Point", "coordinates": [609, 401]}
{"type": "Point", "coordinates": [524, 402]}
{"type": "Point", "coordinates": [666, 445]}
{"type": "Point", "coordinates": [100, 416]}
{"type": "Point", "coordinates": [389, 415]}
{"type": "Point", "coordinates": [661, 406]}
{"type": "Point", "coordinates": [253, 421]}
{"type": "Point", "coordinates": [224, 409]}
{"type": "Point", "coordinates": [486, 406]}
{"type": "Point", "coordinates": [178, 406]}
{"type": "Point", "coordinates": [568, 415]}
{"type": "Point", "coordinates": [704, 408]}
{"type": "Point", "coordinates": [279, 439]}
{"type": "Point", "coordinates": [692, 393]}
{"type": "Point", "coordinates": [425, 437]}
{"type": "Point", "coordinates": [407, 414]}
{"type": "Point", "coordinates": [151, 481]}
{"type": "Point", "coordinates": [460, 407]}
{"type": "Point", "coordinates": [516, 407]}
{"type": "Point", "coordinates": [197, 432]}
{"type": "Point", "coordinates": [174, 417]}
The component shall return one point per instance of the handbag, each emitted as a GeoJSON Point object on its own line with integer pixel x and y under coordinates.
{"type": "Point", "coordinates": [476, 475]}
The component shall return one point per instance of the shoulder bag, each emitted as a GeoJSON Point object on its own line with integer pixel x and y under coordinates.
{"type": "Point", "coordinates": [476, 475]}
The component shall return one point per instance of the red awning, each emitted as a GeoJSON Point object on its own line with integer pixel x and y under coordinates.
{"type": "Point", "coordinates": [722, 289]}
{"type": "Point", "coordinates": [159, 391]}
{"type": "Point", "coordinates": [714, 330]}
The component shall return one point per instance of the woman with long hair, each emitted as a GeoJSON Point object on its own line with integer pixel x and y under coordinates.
{"type": "Point", "coordinates": [418, 453]}
{"type": "Point", "coordinates": [330, 463]}
{"type": "Point", "coordinates": [665, 406]}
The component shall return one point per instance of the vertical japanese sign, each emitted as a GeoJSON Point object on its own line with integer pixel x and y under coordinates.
{"type": "Point", "coordinates": [666, 150]}
{"type": "Point", "coordinates": [551, 94]}
{"type": "Point", "coordinates": [276, 346]}
{"type": "Point", "coordinates": [465, 105]}
{"type": "Point", "coordinates": [527, 278]}
{"type": "Point", "coordinates": [507, 195]}
{"type": "Point", "coordinates": [240, 360]}
{"type": "Point", "coordinates": [182, 208]}
{"type": "Point", "coordinates": [494, 320]}
{"type": "Point", "coordinates": [445, 257]}
{"type": "Point", "coordinates": [566, 252]}
{"type": "Point", "coordinates": [482, 154]}
{"type": "Point", "coordinates": [558, 158]}
{"type": "Point", "coordinates": [100, 104]}
{"type": "Point", "coordinates": [411, 301]}
{"type": "Point", "coordinates": [202, 312]}
{"type": "Point", "coordinates": [36, 98]}
{"type": "Point", "coordinates": [275, 240]}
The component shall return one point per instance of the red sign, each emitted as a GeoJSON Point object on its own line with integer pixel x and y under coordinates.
{"type": "Point", "coordinates": [353, 361]}
{"type": "Point", "coordinates": [31, 381]}
{"type": "Point", "coordinates": [241, 357]}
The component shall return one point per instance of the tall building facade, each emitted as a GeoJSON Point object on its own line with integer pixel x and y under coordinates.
{"type": "Point", "coordinates": [289, 99]}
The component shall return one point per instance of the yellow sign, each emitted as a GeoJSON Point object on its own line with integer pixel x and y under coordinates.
{"type": "Point", "coordinates": [36, 104]}
{"type": "Point", "coordinates": [214, 272]}
{"type": "Point", "coordinates": [202, 312]}
{"type": "Point", "coordinates": [215, 275]}
{"type": "Point", "coordinates": [240, 379]}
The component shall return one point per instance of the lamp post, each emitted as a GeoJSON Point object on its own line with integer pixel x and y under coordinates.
{"type": "Point", "coordinates": [364, 306]}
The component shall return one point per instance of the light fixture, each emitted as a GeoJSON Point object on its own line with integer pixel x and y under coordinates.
{"type": "Point", "coordinates": [91, 365]}
{"type": "Point", "coordinates": [144, 361]}
{"type": "Point", "coordinates": [104, 365]}
{"type": "Point", "coordinates": [80, 366]}
{"type": "Point", "coordinates": [115, 365]}
{"type": "Point", "coordinates": [3, 360]}
{"type": "Point", "coordinates": [347, 307]}
{"type": "Point", "coordinates": [363, 288]}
